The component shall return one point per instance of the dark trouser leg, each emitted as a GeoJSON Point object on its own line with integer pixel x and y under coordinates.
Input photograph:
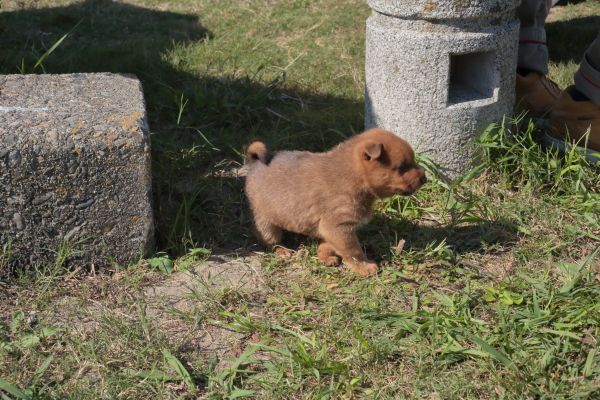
{"type": "Point", "coordinates": [587, 78]}
{"type": "Point", "coordinates": [533, 53]}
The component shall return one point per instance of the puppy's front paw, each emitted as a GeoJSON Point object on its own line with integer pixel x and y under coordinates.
{"type": "Point", "coordinates": [330, 261]}
{"type": "Point", "coordinates": [327, 255]}
{"type": "Point", "coordinates": [363, 268]}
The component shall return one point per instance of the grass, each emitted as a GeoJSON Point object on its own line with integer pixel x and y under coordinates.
{"type": "Point", "coordinates": [489, 287]}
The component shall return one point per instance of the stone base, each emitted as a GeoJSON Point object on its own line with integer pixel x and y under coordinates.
{"type": "Point", "coordinates": [438, 84]}
{"type": "Point", "coordinates": [74, 169]}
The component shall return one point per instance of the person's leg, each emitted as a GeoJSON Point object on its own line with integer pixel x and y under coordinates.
{"type": "Point", "coordinates": [587, 78]}
{"type": "Point", "coordinates": [533, 53]}
{"type": "Point", "coordinates": [576, 114]}
{"type": "Point", "coordinates": [535, 93]}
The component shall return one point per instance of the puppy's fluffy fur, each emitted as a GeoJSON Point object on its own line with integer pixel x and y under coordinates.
{"type": "Point", "coordinates": [328, 195]}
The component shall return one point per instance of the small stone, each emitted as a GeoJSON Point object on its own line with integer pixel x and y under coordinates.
{"type": "Point", "coordinates": [121, 142]}
{"type": "Point", "coordinates": [41, 199]}
{"type": "Point", "coordinates": [18, 220]}
{"type": "Point", "coordinates": [32, 318]}
{"type": "Point", "coordinates": [72, 232]}
{"type": "Point", "coordinates": [72, 166]}
{"type": "Point", "coordinates": [15, 200]}
{"type": "Point", "coordinates": [14, 158]}
{"type": "Point", "coordinates": [85, 204]}
{"type": "Point", "coordinates": [11, 139]}
{"type": "Point", "coordinates": [52, 136]}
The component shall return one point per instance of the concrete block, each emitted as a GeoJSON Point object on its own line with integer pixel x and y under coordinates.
{"type": "Point", "coordinates": [439, 71]}
{"type": "Point", "coordinates": [74, 169]}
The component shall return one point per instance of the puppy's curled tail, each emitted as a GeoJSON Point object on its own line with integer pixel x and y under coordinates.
{"type": "Point", "coordinates": [257, 151]}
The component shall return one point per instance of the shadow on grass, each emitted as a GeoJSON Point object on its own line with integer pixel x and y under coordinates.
{"type": "Point", "coordinates": [383, 233]}
{"type": "Point", "coordinates": [200, 123]}
{"type": "Point", "coordinates": [568, 40]}
{"type": "Point", "coordinates": [565, 2]}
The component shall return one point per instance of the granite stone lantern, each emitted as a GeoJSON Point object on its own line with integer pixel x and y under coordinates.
{"type": "Point", "coordinates": [439, 71]}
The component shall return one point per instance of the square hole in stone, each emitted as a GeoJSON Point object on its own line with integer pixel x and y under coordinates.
{"type": "Point", "coordinates": [473, 76]}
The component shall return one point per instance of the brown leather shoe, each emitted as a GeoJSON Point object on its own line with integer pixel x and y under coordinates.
{"type": "Point", "coordinates": [572, 120]}
{"type": "Point", "coordinates": [535, 94]}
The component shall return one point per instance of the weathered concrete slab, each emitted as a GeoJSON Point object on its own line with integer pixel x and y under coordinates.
{"type": "Point", "coordinates": [438, 72]}
{"type": "Point", "coordinates": [74, 168]}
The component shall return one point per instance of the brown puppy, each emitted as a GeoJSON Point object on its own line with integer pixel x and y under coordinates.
{"type": "Point", "coordinates": [328, 195]}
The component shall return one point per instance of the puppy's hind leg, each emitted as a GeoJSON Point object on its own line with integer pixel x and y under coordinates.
{"type": "Point", "coordinates": [271, 235]}
{"type": "Point", "coordinates": [268, 233]}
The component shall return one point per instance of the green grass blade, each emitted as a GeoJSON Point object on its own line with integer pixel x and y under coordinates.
{"type": "Point", "coordinates": [589, 363]}
{"type": "Point", "coordinates": [29, 340]}
{"type": "Point", "coordinates": [445, 300]}
{"type": "Point", "coordinates": [153, 375]}
{"type": "Point", "coordinates": [54, 46]}
{"type": "Point", "coordinates": [182, 105]}
{"type": "Point", "coordinates": [239, 393]}
{"type": "Point", "coordinates": [561, 333]}
{"type": "Point", "coordinates": [48, 331]}
{"type": "Point", "coordinates": [16, 321]}
{"type": "Point", "coordinates": [300, 336]}
{"type": "Point", "coordinates": [574, 280]}
{"type": "Point", "coordinates": [41, 370]}
{"type": "Point", "coordinates": [493, 352]}
{"type": "Point", "coordinates": [50, 50]}
{"type": "Point", "coordinates": [361, 339]}
{"type": "Point", "coordinates": [14, 391]}
{"type": "Point", "coordinates": [179, 368]}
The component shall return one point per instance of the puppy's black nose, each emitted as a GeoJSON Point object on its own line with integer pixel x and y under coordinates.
{"type": "Point", "coordinates": [423, 179]}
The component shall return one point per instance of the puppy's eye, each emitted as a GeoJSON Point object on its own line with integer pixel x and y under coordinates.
{"type": "Point", "coordinates": [403, 168]}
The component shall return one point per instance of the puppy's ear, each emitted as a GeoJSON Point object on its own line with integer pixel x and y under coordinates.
{"type": "Point", "coordinates": [372, 151]}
